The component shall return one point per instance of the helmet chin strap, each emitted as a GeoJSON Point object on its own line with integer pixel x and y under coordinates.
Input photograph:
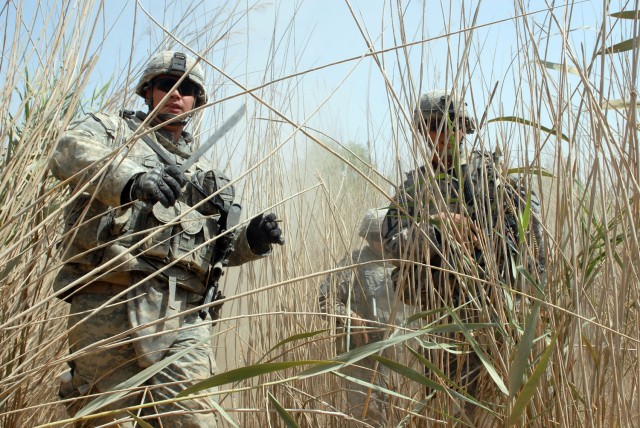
{"type": "Point", "coordinates": [168, 117]}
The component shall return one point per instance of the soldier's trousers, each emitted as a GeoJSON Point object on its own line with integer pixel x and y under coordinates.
{"type": "Point", "coordinates": [361, 402]}
{"type": "Point", "coordinates": [100, 370]}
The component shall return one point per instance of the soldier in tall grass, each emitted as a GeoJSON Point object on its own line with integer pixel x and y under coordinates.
{"type": "Point", "coordinates": [456, 223]}
{"type": "Point", "coordinates": [138, 256]}
{"type": "Point", "coordinates": [365, 300]}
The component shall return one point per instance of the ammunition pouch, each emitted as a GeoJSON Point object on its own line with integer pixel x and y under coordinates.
{"type": "Point", "coordinates": [207, 183]}
{"type": "Point", "coordinates": [163, 237]}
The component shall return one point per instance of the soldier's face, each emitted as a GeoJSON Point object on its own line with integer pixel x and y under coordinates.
{"type": "Point", "coordinates": [181, 100]}
{"type": "Point", "coordinates": [444, 140]}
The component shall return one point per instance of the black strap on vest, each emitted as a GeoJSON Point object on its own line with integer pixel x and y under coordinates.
{"type": "Point", "coordinates": [148, 140]}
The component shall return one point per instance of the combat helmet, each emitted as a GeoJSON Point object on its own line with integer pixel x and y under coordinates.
{"type": "Point", "coordinates": [371, 224]}
{"type": "Point", "coordinates": [440, 103]}
{"type": "Point", "coordinates": [171, 63]}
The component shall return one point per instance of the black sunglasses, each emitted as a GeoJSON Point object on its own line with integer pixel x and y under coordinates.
{"type": "Point", "coordinates": [434, 123]}
{"type": "Point", "coordinates": [186, 88]}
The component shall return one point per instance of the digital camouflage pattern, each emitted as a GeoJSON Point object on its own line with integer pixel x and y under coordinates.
{"type": "Point", "coordinates": [170, 63]}
{"type": "Point", "coordinates": [106, 368]}
{"type": "Point", "coordinates": [366, 290]}
{"type": "Point", "coordinates": [160, 254]}
{"type": "Point", "coordinates": [477, 191]}
{"type": "Point", "coordinates": [440, 103]}
{"type": "Point", "coordinates": [98, 157]}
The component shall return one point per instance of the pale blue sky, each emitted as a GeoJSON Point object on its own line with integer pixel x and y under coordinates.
{"type": "Point", "coordinates": [349, 101]}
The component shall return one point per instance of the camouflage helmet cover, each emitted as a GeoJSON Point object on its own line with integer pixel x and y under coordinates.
{"type": "Point", "coordinates": [171, 63]}
{"type": "Point", "coordinates": [439, 103]}
{"type": "Point", "coordinates": [371, 224]}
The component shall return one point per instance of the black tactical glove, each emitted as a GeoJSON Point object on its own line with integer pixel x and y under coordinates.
{"type": "Point", "coordinates": [263, 231]}
{"type": "Point", "coordinates": [162, 185]}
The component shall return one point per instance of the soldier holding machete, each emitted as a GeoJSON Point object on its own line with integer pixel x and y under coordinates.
{"type": "Point", "coordinates": [144, 227]}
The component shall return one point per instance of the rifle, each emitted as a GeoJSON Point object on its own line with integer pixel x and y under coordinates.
{"type": "Point", "coordinates": [515, 196]}
{"type": "Point", "coordinates": [219, 260]}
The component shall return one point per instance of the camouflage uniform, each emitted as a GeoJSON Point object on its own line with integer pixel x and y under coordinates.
{"type": "Point", "coordinates": [476, 191]}
{"type": "Point", "coordinates": [124, 246]}
{"type": "Point", "coordinates": [366, 291]}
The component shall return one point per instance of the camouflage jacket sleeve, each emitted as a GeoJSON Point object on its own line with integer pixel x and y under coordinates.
{"type": "Point", "coordinates": [242, 252]}
{"type": "Point", "coordinates": [91, 151]}
{"type": "Point", "coordinates": [492, 187]}
{"type": "Point", "coordinates": [412, 240]}
{"type": "Point", "coordinates": [334, 291]}
{"type": "Point", "coordinates": [407, 231]}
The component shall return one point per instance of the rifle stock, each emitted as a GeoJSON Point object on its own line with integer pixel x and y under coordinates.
{"type": "Point", "coordinates": [223, 248]}
{"type": "Point", "coordinates": [213, 292]}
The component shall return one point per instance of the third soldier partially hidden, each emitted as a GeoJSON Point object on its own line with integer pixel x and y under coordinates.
{"type": "Point", "coordinates": [366, 307]}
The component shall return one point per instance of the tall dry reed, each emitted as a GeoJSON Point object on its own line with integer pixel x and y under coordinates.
{"type": "Point", "coordinates": [572, 357]}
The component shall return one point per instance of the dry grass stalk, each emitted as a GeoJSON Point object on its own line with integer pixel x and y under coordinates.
{"type": "Point", "coordinates": [567, 120]}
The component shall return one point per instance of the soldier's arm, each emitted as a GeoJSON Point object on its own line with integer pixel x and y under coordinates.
{"type": "Point", "coordinates": [405, 228]}
{"type": "Point", "coordinates": [242, 252]}
{"type": "Point", "coordinates": [334, 293]}
{"type": "Point", "coordinates": [257, 238]}
{"type": "Point", "coordinates": [333, 299]}
{"type": "Point", "coordinates": [408, 238]}
{"type": "Point", "coordinates": [86, 153]}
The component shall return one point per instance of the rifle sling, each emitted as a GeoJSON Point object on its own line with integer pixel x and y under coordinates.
{"type": "Point", "coordinates": [160, 151]}
{"type": "Point", "coordinates": [151, 143]}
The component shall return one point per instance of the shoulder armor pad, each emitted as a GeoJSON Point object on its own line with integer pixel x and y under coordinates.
{"type": "Point", "coordinates": [109, 123]}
